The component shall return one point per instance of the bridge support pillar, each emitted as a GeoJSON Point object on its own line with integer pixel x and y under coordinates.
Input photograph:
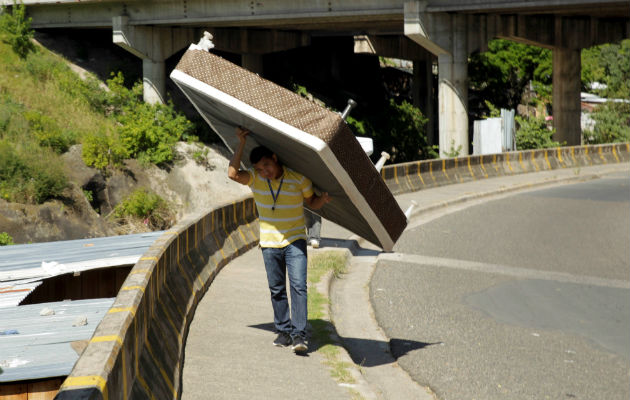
{"type": "Point", "coordinates": [153, 45]}
{"type": "Point", "coordinates": [446, 36]}
{"type": "Point", "coordinates": [566, 96]}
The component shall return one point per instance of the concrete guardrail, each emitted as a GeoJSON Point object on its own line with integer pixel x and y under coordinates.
{"type": "Point", "coordinates": [137, 350]}
{"type": "Point", "coordinates": [418, 175]}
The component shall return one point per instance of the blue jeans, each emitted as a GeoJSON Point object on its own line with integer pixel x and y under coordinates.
{"type": "Point", "coordinates": [278, 262]}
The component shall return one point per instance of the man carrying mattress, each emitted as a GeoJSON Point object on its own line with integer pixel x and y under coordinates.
{"type": "Point", "coordinates": [280, 194]}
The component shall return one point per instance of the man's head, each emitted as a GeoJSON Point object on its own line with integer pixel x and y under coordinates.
{"type": "Point", "coordinates": [266, 163]}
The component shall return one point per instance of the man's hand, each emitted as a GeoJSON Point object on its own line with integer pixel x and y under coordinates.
{"type": "Point", "coordinates": [234, 171]}
{"type": "Point", "coordinates": [242, 133]}
{"type": "Point", "coordinates": [316, 202]}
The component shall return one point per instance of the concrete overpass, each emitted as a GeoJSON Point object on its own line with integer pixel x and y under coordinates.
{"type": "Point", "coordinates": [428, 32]}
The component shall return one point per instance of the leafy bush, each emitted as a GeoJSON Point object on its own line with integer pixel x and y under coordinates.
{"type": "Point", "coordinates": [48, 134]}
{"type": "Point", "coordinates": [102, 150]}
{"type": "Point", "coordinates": [15, 29]}
{"type": "Point", "coordinates": [142, 204]}
{"type": "Point", "coordinates": [399, 129]}
{"type": "Point", "coordinates": [533, 133]}
{"type": "Point", "coordinates": [612, 124]}
{"type": "Point", "coordinates": [148, 132]}
{"type": "Point", "coordinates": [5, 239]}
{"type": "Point", "coordinates": [29, 174]}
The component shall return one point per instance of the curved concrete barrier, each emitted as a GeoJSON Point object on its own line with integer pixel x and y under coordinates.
{"type": "Point", "coordinates": [418, 175]}
{"type": "Point", "coordinates": [137, 350]}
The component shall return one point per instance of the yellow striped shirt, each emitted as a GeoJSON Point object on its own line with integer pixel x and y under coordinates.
{"type": "Point", "coordinates": [285, 224]}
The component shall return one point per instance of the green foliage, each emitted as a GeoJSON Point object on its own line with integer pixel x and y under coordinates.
{"type": "Point", "coordinates": [399, 129]}
{"type": "Point", "coordinates": [612, 124]}
{"type": "Point", "coordinates": [102, 150]}
{"type": "Point", "coordinates": [5, 239]}
{"type": "Point", "coordinates": [29, 173]}
{"type": "Point", "coordinates": [48, 133]}
{"type": "Point", "coordinates": [501, 75]}
{"type": "Point", "coordinates": [15, 29]}
{"type": "Point", "coordinates": [533, 133]}
{"type": "Point", "coordinates": [608, 64]}
{"type": "Point", "coordinates": [147, 206]}
{"type": "Point", "coordinates": [453, 151]}
{"type": "Point", "coordinates": [148, 132]}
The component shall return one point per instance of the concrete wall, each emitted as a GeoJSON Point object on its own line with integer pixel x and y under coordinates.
{"type": "Point", "coordinates": [418, 175]}
{"type": "Point", "coordinates": [138, 348]}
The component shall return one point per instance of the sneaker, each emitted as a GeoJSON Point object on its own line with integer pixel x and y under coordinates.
{"type": "Point", "coordinates": [282, 340]}
{"type": "Point", "coordinates": [299, 346]}
{"type": "Point", "coordinates": [314, 243]}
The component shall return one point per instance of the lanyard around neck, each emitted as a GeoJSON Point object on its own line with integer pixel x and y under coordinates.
{"type": "Point", "coordinates": [276, 195]}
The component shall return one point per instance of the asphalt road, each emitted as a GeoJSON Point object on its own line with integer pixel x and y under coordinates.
{"type": "Point", "coordinates": [524, 297]}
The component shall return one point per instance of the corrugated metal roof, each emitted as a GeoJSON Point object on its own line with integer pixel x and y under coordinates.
{"type": "Point", "coordinates": [12, 294]}
{"type": "Point", "coordinates": [34, 346]}
{"type": "Point", "coordinates": [17, 260]}
{"type": "Point", "coordinates": [24, 266]}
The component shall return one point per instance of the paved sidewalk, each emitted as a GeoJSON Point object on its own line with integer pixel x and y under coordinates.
{"type": "Point", "coordinates": [229, 351]}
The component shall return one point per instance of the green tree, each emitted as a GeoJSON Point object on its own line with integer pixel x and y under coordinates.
{"type": "Point", "coordinates": [501, 74]}
{"type": "Point", "coordinates": [608, 64]}
{"type": "Point", "coordinates": [15, 29]}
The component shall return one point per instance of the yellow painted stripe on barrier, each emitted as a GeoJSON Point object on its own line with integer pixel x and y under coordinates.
{"type": "Point", "coordinates": [431, 171]}
{"type": "Point", "coordinates": [533, 159]}
{"type": "Point", "coordinates": [444, 169]}
{"type": "Point", "coordinates": [547, 160]}
{"type": "Point", "coordinates": [148, 258]}
{"type": "Point", "coordinates": [408, 178]}
{"type": "Point", "coordinates": [219, 245]}
{"type": "Point", "coordinates": [179, 310]}
{"type": "Point", "coordinates": [235, 219]}
{"type": "Point", "coordinates": [396, 175]}
{"type": "Point", "coordinates": [485, 173]}
{"type": "Point", "coordinates": [507, 159]}
{"type": "Point", "coordinates": [162, 372]}
{"type": "Point", "coordinates": [520, 161]}
{"type": "Point", "coordinates": [170, 321]}
{"type": "Point", "coordinates": [144, 385]}
{"type": "Point", "coordinates": [233, 242]}
{"type": "Point", "coordinates": [179, 265]}
{"type": "Point", "coordinates": [494, 162]}
{"type": "Point", "coordinates": [140, 271]}
{"type": "Point", "coordinates": [198, 277]}
{"type": "Point", "coordinates": [242, 234]}
{"type": "Point", "coordinates": [614, 151]}
{"type": "Point", "coordinates": [471, 171]}
{"type": "Point", "coordinates": [90, 380]}
{"type": "Point", "coordinates": [601, 155]}
{"type": "Point", "coordinates": [107, 338]}
{"type": "Point", "coordinates": [573, 155]}
{"type": "Point", "coordinates": [559, 153]}
{"type": "Point", "coordinates": [124, 373]}
{"type": "Point", "coordinates": [590, 161]}
{"type": "Point", "coordinates": [133, 288]}
{"type": "Point", "coordinates": [419, 174]}
{"type": "Point", "coordinates": [122, 309]}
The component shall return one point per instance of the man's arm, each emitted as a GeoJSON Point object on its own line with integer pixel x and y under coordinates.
{"type": "Point", "coordinates": [234, 169]}
{"type": "Point", "coordinates": [316, 202]}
